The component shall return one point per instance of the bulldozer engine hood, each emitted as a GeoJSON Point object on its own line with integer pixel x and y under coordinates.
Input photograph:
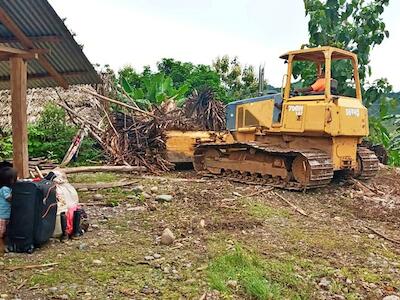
{"type": "Point", "coordinates": [231, 108]}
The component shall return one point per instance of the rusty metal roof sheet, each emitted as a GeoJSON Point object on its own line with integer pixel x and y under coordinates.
{"type": "Point", "coordinates": [38, 19]}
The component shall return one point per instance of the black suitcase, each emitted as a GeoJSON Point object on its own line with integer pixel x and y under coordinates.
{"type": "Point", "coordinates": [33, 215]}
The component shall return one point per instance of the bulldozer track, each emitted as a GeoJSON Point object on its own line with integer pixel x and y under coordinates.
{"type": "Point", "coordinates": [320, 166]}
{"type": "Point", "coordinates": [369, 163]}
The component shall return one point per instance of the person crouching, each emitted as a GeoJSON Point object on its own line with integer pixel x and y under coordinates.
{"type": "Point", "coordinates": [8, 176]}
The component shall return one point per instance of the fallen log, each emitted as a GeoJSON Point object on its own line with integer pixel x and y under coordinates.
{"type": "Point", "coordinates": [105, 185]}
{"type": "Point", "coordinates": [93, 169]}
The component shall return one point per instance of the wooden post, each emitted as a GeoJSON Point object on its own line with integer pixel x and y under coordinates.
{"type": "Point", "coordinates": [18, 79]}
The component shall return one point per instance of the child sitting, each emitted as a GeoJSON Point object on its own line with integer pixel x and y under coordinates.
{"type": "Point", "coordinates": [8, 176]}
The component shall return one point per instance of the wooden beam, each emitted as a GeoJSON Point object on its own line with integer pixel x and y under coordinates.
{"type": "Point", "coordinates": [6, 54]}
{"type": "Point", "coordinates": [46, 75]}
{"type": "Point", "coordinates": [27, 43]}
{"type": "Point", "coordinates": [19, 116]}
{"type": "Point", "coordinates": [53, 72]}
{"type": "Point", "coordinates": [34, 39]}
{"type": "Point", "coordinates": [12, 50]}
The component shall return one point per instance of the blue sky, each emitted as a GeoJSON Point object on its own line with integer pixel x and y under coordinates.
{"type": "Point", "coordinates": [140, 32]}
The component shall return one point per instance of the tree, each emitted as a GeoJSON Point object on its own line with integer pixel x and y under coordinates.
{"type": "Point", "coordinates": [196, 77]}
{"type": "Point", "coordinates": [239, 81]}
{"type": "Point", "coordinates": [354, 25]}
{"type": "Point", "coordinates": [357, 26]}
{"type": "Point", "coordinates": [178, 71]}
{"type": "Point", "coordinates": [204, 77]}
{"type": "Point", "coordinates": [130, 75]}
{"type": "Point", "coordinates": [173, 77]}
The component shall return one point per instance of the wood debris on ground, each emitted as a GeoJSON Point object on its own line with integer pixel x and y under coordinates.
{"type": "Point", "coordinates": [133, 137]}
{"type": "Point", "coordinates": [386, 194]}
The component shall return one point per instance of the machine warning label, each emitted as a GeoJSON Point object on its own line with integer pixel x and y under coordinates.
{"type": "Point", "coordinates": [297, 109]}
{"type": "Point", "coordinates": [352, 112]}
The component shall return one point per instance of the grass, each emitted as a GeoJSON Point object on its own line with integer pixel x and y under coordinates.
{"type": "Point", "coordinates": [365, 274]}
{"type": "Point", "coordinates": [263, 211]}
{"type": "Point", "coordinates": [119, 269]}
{"type": "Point", "coordinates": [114, 196]}
{"type": "Point", "coordinates": [296, 252]}
{"type": "Point", "coordinates": [323, 238]}
{"type": "Point", "coordinates": [54, 278]}
{"type": "Point", "coordinates": [94, 177]}
{"type": "Point", "coordinates": [256, 278]}
{"type": "Point", "coordinates": [245, 269]}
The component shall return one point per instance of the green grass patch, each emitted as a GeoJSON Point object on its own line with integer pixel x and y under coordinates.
{"type": "Point", "coordinates": [263, 211]}
{"type": "Point", "coordinates": [256, 278]}
{"type": "Point", "coordinates": [56, 277]}
{"type": "Point", "coordinates": [113, 196]}
{"type": "Point", "coordinates": [94, 177]}
{"type": "Point", "coordinates": [323, 238]}
{"type": "Point", "coordinates": [365, 274]}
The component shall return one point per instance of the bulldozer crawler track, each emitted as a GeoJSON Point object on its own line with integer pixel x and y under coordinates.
{"type": "Point", "coordinates": [320, 166]}
{"type": "Point", "coordinates": [369, 162]}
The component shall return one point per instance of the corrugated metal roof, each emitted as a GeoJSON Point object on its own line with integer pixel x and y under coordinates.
{"type": "Point", "coordinates": [36, 18]}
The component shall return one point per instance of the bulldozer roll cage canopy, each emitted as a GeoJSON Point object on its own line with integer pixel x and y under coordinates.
{"type": "Point", "coordinates": [318, 54]}
{"type": "Point", "coordinates": [321, 55]}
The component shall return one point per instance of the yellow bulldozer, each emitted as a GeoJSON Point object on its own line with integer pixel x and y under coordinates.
{"type": "Point", "coordinates": [295, 140]}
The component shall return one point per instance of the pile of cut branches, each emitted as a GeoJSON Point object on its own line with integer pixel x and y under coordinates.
{"type": "Point", "coordinates": [202, 108]}
{"type": "Point", "coordinates": [138, 138]}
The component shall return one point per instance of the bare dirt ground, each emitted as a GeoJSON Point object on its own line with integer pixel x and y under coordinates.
{"type": "Point", "coordinates": [339, 250]}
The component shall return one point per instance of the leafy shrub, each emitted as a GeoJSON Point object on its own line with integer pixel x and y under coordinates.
{"type": "Point", "coordinates": [385, 129]}
{"type": "Point", "coordinates": [51, 137]}
{"type": "Point", "coordinates": [156, 89]}
{"type": "Point", "coordinates": [5, 147]}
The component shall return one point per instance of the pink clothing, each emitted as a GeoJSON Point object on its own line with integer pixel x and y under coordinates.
{"type": "Point", "coordinates": [70, 219]}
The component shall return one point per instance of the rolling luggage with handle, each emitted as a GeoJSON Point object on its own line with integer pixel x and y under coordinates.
{"type": "Point", "coordinates": [33, 215]}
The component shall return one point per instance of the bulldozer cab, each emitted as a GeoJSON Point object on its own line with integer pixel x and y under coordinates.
{"type": "Point", "coordinates": [336, 110]}
{"type": "Point", "coordinates": [323, 59]}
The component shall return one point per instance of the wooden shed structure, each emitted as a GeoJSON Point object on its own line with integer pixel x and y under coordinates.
{"type": "Point", "coordinates": [36, 51]}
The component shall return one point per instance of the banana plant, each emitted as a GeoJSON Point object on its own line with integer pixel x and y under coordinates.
{"type": "Point", "coordinates": [155, 90]}
{"type": "Point", "coordinates": [385, 129]}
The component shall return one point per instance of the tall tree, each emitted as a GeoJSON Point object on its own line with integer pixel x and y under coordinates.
{"type": "Point", "coordinates": [240, 82]}
{"type": "Point", "coordinates": [177, 70]}
{"type": "Point", "coordinates": [357, 26]}
{"type": "Point", "coordinates": [354, 25]}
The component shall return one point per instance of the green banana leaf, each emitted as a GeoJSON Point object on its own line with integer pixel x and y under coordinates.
{"type": "Point", "coordinates": [126, 86]}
